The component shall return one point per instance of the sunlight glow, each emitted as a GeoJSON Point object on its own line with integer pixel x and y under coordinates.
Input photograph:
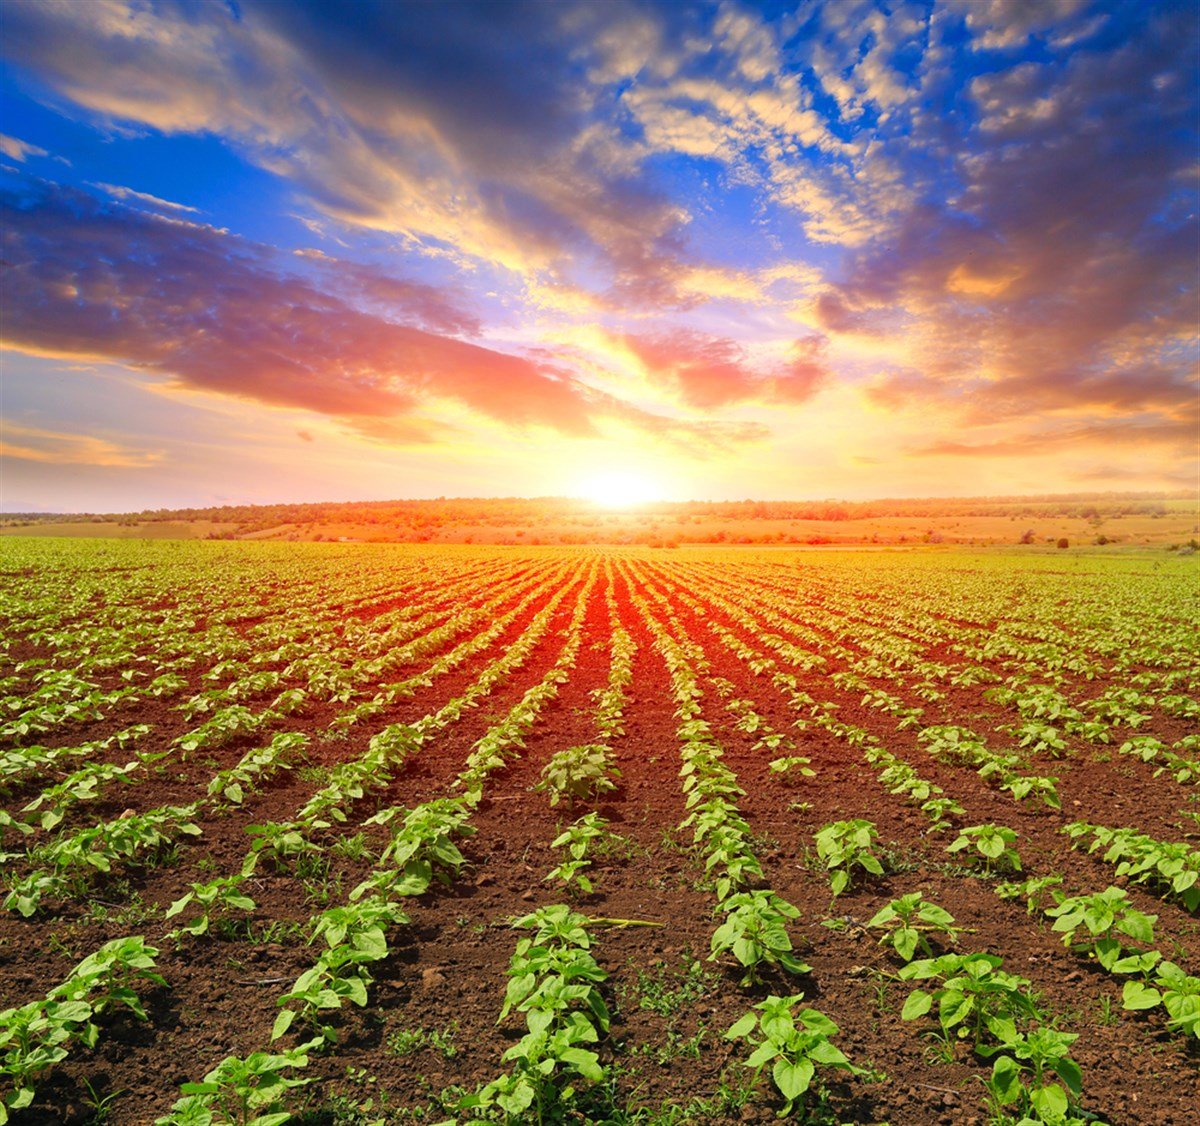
{"type": "Point", "coordinates": [619, 488]}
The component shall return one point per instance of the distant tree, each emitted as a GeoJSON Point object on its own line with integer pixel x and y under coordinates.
{"type": "Point", "coordinates": [1028, 537]}
{"type": "Point", "coordinates": [1063, 542]}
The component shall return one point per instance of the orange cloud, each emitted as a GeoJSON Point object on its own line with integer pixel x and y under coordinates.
{"type": "Point", "coordinates": [216, 313]}
{"type": "Point", "coordinates": [709, 372]}
{"type": "Point", "coordinates": [31, 443]}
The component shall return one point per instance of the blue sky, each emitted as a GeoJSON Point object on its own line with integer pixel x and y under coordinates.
{"type": "Point", "coordinates": [315, 251]}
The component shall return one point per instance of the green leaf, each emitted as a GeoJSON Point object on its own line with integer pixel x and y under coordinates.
{"type": "Point", "coordinates": [741, 1027]}
{"type": "Point", "coordinates": [991, 847]}
{"type": "Point", "coordinates": [585, 1062]}
{"type": "Point", "coordinates": [282, 1023]}
{"type": "Point", "coordinates": [1139, 995]}
{"type": "Point", "coordinates": [1139, 927]}
{"type": "Point", "coordinates": [793, 964]}
{"type": "Point", "coordinates": [1050, 1102]}
{"type": "Point", "coordinates": [764, 1052]}
{"type": "Point", "coordinates": [1006, 1080]}
{"type": "Point", "coordinates": [905, 941]}
{"type": "Point", "coordinates": [918, 1004]}
{"type": "Point", "coordinates": [372, 943]}
{"type": "Point", "coordinates": [882, 916]}
{"type": "Point", "coordinates": [1069, 1072]}
{"type": "Point", "coordinates": [792, 1077]}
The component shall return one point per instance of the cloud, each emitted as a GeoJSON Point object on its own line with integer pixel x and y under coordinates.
{"type": "Point", "coordinates": [986, 211]}
{"type": "Point", "coordinates": [466, 125]}
{"type": "Point", "coordinates": [31, 443]}
{"type": "Point", "coordinates": [19, 150]}
{"type": "Point", "coordinates": [1059, 276]}
{"type": "Point", "coordinates": [127, 194]}
{"type": "Point", "coordinates": [218, 314]}
{"type": "Point", "coordinates": [1005, 24]}
{"type": "Point", "coordinates": [707, 373]}
{"type": "Point", "coordinates": [210, 309]}
{"type": "Point", "coordinates": [745, 104]}
{"type": "Point", "coordinates": [1175, 437]}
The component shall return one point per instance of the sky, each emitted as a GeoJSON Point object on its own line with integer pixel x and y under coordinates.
{"type": "Point", "coordinates": [257, 251]}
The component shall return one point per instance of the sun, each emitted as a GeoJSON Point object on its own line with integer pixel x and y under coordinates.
{"type": "Point", "coordinates": [619, 488]}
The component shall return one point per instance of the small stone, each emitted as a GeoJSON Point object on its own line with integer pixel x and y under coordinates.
{"type": "Point", "coordinates": [527, 896]}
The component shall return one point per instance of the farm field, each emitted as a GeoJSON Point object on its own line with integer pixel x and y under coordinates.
{"type": "Point", "coordinates": [364, 833]}
{"type": "Point", "coordinates": [1168, 522]}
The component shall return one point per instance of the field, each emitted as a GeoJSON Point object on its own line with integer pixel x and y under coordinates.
{"type": "Point", "coordinates": [1116, 521]}
{"type": "Point", "coordinates": [388, 833]}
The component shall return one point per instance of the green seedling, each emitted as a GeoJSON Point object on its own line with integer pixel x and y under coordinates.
{"type": "Point", "coordinates": [579, 773]}
{"type": "Point", "coordinates": [845, 846]}
{"type": "Point", "coordinates": [909, 921]}
{"type": "Point", "coordinates": [795, 1042]}
{"type": "Point", "coordinates": [993, 844]}
{"type": "Point", "coordinates": [755, 933]}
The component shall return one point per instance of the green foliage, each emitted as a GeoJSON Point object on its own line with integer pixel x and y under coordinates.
{"type": "Point", "coordinates": [1034, 890]}
{"type": "Point", "coordinates": [579, 773]}
{"type": "Point", "coordinates": [909, 921]}
{"type": "Point", "coordinates": [667, 992]}
{"type": "Point", "coordinates": [258, 765]}
{"type": "Point", "coordinates": [40, 1034]}
{"type": "Point", "coordinates": [85, 784]}
{"type": "Point", "coordinates": [755, 933]}
{"type": "Point", "coordinates": [422, 848]}
{"type": "Point", "coordinates": [792, 767]}
{"type": "Point", "coordinates": [245, 1092]}
{"type": "Point", "coordinates": [553, 980]}
{"type": "Point", "coordinates": [406, 1041]}
{"type": "Point", "coordinates": [1175, 990]}
{"type": "Point", "coordinates": [795, 1042]}
{"type": "Point", "coordinates": [68, 863]}
{"type": "Point", "coordinates": [972, 991]}
{"type": "Point", "coordinates": [1034, 1075]}
{"type": "Point", "coordinates": [217, 896]}
{"type": "Point", "coordinates": [578, 839]}
{"type": "Point", "coordinates": [845, 846]}
{"type": "Point", "coordinates": [993, 844]}
{"type": "Point", "coordinates": [355, 938]}
{"type": "Point", "coordinates": [959, 746]}
{"type": "Point", "coordinates": [1173, 867]}
{"type": "Point", "coordinates": [1105, 916]}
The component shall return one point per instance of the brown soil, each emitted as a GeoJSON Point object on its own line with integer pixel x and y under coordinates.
{"type": "Point", "coordinates": [447, 969]}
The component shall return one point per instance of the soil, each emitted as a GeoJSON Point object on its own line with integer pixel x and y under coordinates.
{"type": "Point", "coordinates": [446, 972]}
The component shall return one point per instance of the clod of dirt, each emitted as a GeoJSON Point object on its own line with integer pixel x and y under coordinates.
{"type": "Point", "coordinates": [432, 977]}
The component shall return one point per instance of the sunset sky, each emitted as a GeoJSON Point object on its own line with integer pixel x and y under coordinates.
{"type": "Point", "coordinates": [261, 251]}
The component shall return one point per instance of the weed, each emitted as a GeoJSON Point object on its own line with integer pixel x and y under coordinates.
{"type": "Point", "coordinates": [406, 1041]}
{"type": "Point", "coordinates": [352, 848]}
{"type": "Point", "coordinates": [666, 992]}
